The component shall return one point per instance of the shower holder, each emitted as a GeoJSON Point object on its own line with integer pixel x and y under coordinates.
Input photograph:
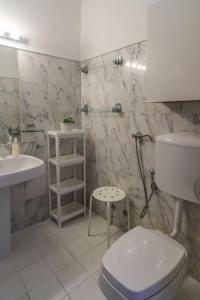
{"type": "Point", "coordinates": [84, 69]}
{"type": "Point", "coordinates": [118, 60]}
{"type": "Point", "coordinates": [117, 108]}
{"type": "Point", "coordinates": [85, 108]}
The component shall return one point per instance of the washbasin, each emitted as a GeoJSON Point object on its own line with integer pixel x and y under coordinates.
{"type": "Point", "coordinates": [20, 168]}
{"type": "Point", "coordinates": [13, 170]}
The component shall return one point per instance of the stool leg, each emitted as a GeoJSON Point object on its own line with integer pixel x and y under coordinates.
{"type": "Point", "coordinates": [128, 212]}
{"type": "Point", "coordinates": [108, 225]}
{"type": "Point", "coordinates": [90, 214]}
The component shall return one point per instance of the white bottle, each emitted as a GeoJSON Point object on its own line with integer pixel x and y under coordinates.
{"type": "Point", "coordinates": [10, 140]}
{"type": "Point", "coordinates": [15, 147]}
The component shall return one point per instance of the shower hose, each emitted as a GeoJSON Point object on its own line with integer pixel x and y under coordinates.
{"type": "Point", "coordinates": [138, 138]}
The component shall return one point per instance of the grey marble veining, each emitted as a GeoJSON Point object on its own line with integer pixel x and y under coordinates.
{"type": "Point", "coordinates": [64, 83]}
{"type": "Point", "coordinates": [111, 149]}
{"type": "Point", "coordinates": [49, 88]}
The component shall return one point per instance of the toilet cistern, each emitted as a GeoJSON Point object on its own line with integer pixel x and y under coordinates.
{"type": "Point", "coordinates": [177, 158]}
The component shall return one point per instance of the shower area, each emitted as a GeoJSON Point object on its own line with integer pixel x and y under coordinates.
{"type": "Point", "coordinates": [111, 152]}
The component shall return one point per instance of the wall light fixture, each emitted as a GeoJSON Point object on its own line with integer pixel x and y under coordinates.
{"type": "Point", "coordinates": [135, 65]}
{"type": "Point", "coordinates": [11, 36]}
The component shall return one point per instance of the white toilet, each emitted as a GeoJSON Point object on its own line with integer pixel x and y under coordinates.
{"type": "Point", "coordinates": [145, 264]}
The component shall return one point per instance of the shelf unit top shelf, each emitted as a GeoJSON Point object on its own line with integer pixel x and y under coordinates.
{"type": "Point", "coordinates": [63, 134]}
{"type": "Point", "coordinates": [67, 160]}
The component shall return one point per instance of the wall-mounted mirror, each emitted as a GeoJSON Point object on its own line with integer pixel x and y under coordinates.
{"type": "Point", "coordinates": [9, 92]}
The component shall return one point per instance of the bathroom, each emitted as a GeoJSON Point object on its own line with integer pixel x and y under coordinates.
{"type": "Point", "coordinates": [91, 62]}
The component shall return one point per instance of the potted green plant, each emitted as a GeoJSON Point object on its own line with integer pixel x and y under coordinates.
{"type": "Point", "coordinates": [67, 124]}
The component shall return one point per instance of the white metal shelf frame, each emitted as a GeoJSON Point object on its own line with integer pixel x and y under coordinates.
{"type": "Point", "coordinates": [68, 211]}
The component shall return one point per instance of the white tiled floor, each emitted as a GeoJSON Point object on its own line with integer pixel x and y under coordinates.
{"type": "Point", "coordinates": [48, 289]}
{"type": "Point", "coordinates": [58, 259]}
{"type": "Point", "coordinates": [81, 292]}
{"type": "Point", "coordinates": [47, 263]}
{"type": "Point", "coordinates": [34, 274]}
{"type": "Point", "coordinates": [11, 288]}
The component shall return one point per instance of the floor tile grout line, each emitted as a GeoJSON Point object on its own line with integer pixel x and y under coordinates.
{"type": "Point", "coordinates": [39, 282]}
{"type": "Point", "coordinates": [16, 274]}
{"type": "Point", "coordinates": [47, 222]}
{"type": "Point", "coordinates": [52, 275]}
{"type": "Point", "coordinates": [21, 269]}
{"type": "Point", "coordinates": [60, 245]}
{"type": "Point", "coordinates": [68, 292]}
{"type": "Point", "coordinates": [79, 285]}
{"type": "Point", "coordinates": [93, 247]}
{"type": "Point", "coordinates": [56, 276]}
{"type": "Point", "coordinates": [22, 282]}
{"type": "Point", "coordinates": [90, 277]}
{"type": "Point", "coordinates": [8, 276]}
{"type": "Point", "coordinates": [83, 266]}
{"type": "Point", "coordinates": [86, 253]}
{"type": "Point", "coordinates": [55, 272]}
{"type": "Point", "coordinates": [82, 253]}
{"type": "Point", "coordinates": [28, 265]}
{"type": "Point", "coordinates": [43, 280]}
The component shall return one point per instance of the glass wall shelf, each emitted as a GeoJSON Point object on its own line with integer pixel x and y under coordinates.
{"type": "Point", "coordinates": [18, 130]}
{"type": "Point", "coordinates": [117, 109]}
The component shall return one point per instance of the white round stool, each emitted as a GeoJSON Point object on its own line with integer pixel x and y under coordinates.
{"type": "Point", "coordinates": [108, 194]}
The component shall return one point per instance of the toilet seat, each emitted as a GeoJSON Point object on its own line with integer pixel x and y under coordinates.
{"type": "Point", "coordinates": [142, 263]}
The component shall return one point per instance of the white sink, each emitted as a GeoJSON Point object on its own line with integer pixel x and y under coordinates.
{"type": "Point", "coordinates": [13, 170]}
{"type": "Point", "coordinates": [16, 169]}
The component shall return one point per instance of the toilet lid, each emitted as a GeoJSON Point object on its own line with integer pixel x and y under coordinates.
{"type": "Point", "coordinates": [142, 262]}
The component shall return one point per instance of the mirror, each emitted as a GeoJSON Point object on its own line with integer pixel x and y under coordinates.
{"type": "Point", "coordinates": [9, 92]}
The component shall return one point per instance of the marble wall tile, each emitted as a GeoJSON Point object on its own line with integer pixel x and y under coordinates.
{"type": "Point", "coordinates": [29, 212]}
{"type": "Point", "coordinates": [49, 88]}
{"type": "Point", "coordinates": [64, 82]}
{"type": "Point", "coordinates": [17, 216]}
{"type": "Point", "coordinates": [36, 210]}
{"type": "Point", "coordinates": [111, 150]}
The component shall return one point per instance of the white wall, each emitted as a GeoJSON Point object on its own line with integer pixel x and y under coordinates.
{"type": "Point", "coordinates": [8, 62]}
{"type": "Point", "coordinates": [51, 26]}
{"type": "Point", "coordinates": [107, 25]}
{"type": "Point", "coordinates": [55, 27]}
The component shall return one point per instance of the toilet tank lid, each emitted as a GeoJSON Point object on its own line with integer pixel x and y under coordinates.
{"type": "Point", "coordinates": [182, 139]}
{"type": "Point", "coordinates": [142, 262]}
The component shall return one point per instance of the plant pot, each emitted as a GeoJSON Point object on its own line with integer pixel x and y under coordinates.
{"type": "Point", "coordinates": [66, 126]}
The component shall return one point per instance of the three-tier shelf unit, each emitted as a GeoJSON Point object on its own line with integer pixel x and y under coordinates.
{"type": "Point", "coordinates": [62, 213]}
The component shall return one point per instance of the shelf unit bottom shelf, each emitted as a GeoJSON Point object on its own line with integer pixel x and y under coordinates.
{"type": "Point", "coordinates": [68, 211]}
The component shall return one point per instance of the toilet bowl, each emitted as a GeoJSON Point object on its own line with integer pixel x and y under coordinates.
{"type": "Point", "coordinates": [143, 264]}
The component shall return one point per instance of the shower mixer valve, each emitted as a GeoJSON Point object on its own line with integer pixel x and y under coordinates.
{"type": "Point", "coordinates": [140, 136]}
